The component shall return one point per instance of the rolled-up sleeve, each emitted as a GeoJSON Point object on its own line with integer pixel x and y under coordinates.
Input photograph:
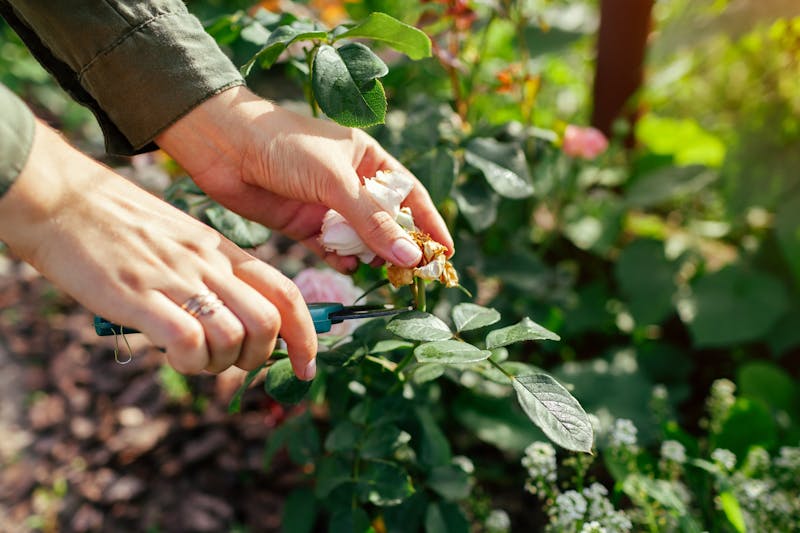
{"type": "Point", "coordinates": [16, 137]}
{"type": "Point", "coordinates": [138, 65]}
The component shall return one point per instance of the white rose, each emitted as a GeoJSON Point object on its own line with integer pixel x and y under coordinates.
{"type": "Point", "coordinates": [388, 189]}
{"type": "Point", "coordinates": [340, 237]}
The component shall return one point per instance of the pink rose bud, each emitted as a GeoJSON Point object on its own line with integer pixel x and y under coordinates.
{"type": "Point", "coordinates": [325, 285]}
{"type": "Point", "coordinates": [585, 143]}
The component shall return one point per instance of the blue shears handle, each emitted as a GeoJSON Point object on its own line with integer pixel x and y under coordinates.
{"type": "Point", "coordinates": [320, 313]}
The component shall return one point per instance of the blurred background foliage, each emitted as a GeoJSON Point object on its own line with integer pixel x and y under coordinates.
{"type": "Point", "coordinates": [671, 261]}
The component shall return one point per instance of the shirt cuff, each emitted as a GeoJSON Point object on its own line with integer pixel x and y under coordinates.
{"type": "Point", "coordinates": [17, 126]}
{"type": "Point", "coordinates": [156, 73]}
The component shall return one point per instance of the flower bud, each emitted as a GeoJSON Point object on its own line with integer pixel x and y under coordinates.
{"type": "Point", "coordinates": [584, 143]}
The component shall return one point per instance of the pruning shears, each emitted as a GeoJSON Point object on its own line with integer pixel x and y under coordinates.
{"type": "Point", "coordinates": [324, 314]}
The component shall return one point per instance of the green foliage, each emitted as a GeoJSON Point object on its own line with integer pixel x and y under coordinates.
{"type": "Point", "coordinates": [653, 264]}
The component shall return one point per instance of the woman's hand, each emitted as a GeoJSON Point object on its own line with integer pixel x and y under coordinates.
{"type": "Point", "coordinates": [285, 171]}
{"type": "Point", "coordinates": [135, 260]}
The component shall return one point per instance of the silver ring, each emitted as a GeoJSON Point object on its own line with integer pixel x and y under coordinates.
{"type": "Point", "coordinates": [202, 303]}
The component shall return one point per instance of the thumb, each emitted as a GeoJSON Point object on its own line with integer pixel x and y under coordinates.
{"type": "Point", "coordinates": [375, 226]}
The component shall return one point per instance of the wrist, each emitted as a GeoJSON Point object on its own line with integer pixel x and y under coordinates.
{"type": "Point", "coordinates": [208, 142]}
{"type": "Point", "coordinates": [31, 208]}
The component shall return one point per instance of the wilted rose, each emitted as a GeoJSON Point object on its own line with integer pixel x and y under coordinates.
{"type": "Point", "coordinates": [584, 142]}
{"type": "Point", "coordinates": [433, 267]}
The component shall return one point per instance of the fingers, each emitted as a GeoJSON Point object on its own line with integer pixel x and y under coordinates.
{"type": "Point", "coordinates": [296, 326]}
{"type": "Point", "coordinates": [259, 319]}
{"type": "Point", "coordinates": [219, 342]}
{"type": "Point", "coordinates": [426, 216]}
{"type": "Point", "coordinates": [375, 226]}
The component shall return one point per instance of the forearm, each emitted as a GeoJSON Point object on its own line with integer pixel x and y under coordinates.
{"type": "Point", "coordinates": [30, 208]}
{"type": "Point", "coordinates": [139, 66]}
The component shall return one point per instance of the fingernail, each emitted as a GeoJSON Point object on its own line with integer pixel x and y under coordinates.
{"type": "Point", "coordinates": [406, 253]}
{"type": "Point", "coordinates": [310, 371]}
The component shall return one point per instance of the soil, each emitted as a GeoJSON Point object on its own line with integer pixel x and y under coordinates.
{"type": "Point", "coordinates": [88, 444]}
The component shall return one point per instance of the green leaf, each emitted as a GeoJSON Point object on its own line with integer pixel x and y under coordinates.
{"type": "Point", "coordinates": [383, 484]}
{"type": "Point", "coordinates": [477, 202]}
{"type": "Point", "coordinates": [299, 512]}
{"type": "Point", "coordinates": [749, 423]}
{"type": "Point", "coordinates": [419, 326]}
{"type": "Point", "coordinates": [733, 512]}
{"type": "Point", "coordinates": [735, 305]}
{"type": "Point", "coordinates": [244, 233]}
{"type": "Point", "coordinates": [669, 183]}
{"type": "Point", "coordinates": [450, 482]}
{"type": "Point", "coordinates": [343, 437]}
{"type": "Point", "coordinates": [551, 407]}
{"type": "Point", "coordinates": [450, 352]}
{"type": "Point", "coordinates": [331, 472]}
{"type": "Point", "coordinates": [281, 38]}
{"type": "Point", "coordinates": [235, 404]}
{"type": "Point", "coordinates": [424, 373]}
{"type": "Point", "coordinates": [434, 448]}
{"type": "Point", "coordinates": [282, 385]}
{"type": "Point", "coordinates": [769, 383]}
{"type": "Point", "coordinates": [469, 316]}
{"type": "Point", "coordinates": [646, 278]}
{"type": "Point", "coordinates": [350, 521]}
{"type": "Point", "coordinates": [525, 330]}
{"type": "Point", "coordinates": [503, 165]}
{"type": "Point", "coordinates": [275, 442]}
{"type": "Point", "coordinates": [345, 87]}
{"type": "Point", "coordinates": [497, 421]}
{"type": "Point", "coordinates": [445, 517]}
{"type": "Point", "coordinates": [400, 36]}
{"type": "Point", "coordinates": [437, 170]}
{"type": "Point", "coordinates": [639, 487]}
{"type": "Point", "coordinates": [407, 516]}
{"type": "Point", "coordinates": [380, 441]}
{"type": "Point", "coordinates": [684, 139]}
{"type": "Point", "coordinates": [787, 230]}
{"type": "Point", "coordinates": [390, 345]}
{"type": "Point", "coordinates": [303, 442]}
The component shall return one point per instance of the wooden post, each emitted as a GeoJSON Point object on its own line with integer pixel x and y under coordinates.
{"type": "Point", "coordinates": [621, 46]}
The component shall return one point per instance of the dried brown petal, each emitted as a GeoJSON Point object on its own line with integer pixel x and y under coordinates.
{"type": "Point", "coordinates": [399, 276]}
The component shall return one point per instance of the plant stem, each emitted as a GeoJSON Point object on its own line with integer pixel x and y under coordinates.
{"type": "Point", "coordinates": [501, 369]}
{"type": "Point", "coordinates": [309, 89]}
{"type": "Point", "coordinates": [404, 362]}
{"type": "Point", "coordinates": [419, 294]}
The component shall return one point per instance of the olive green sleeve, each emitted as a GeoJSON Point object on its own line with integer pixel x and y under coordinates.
{"type": "Point", "coordinates": [138, 65]}
{"type": "Point", "coordinates": [16, 137]}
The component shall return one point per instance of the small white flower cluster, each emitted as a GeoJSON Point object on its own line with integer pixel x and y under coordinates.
{"type": "Point", "coordinates": [725, 459]}
{"type": "Point", "coordinates": [766, 489]}
{"type": "Point", "coordinates": [757, 462]}
{"type": "Point", "coordinates": [589, 508]}
{"type": "Point", "coordinates": [719, 402]}
{"type": "Point", "coordinates": [674, 451]}
{"type": "Point", "coordinates": [623, 434]}
{"type": "Point", "coordinates": [540, 461]}
{"type": "Point", "coordinates": [789, 460]}
{"type": "Point", "coordinates": [593, 527]}
{"type": "Point", "coordinates": [498, 521]}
